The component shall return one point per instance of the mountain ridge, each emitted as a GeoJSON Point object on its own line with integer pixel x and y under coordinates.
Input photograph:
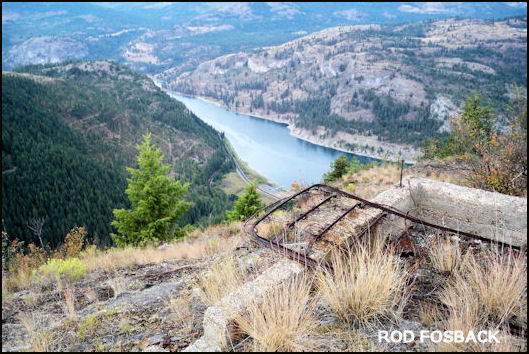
{"type": "Point", "coordinates": [374, 80]}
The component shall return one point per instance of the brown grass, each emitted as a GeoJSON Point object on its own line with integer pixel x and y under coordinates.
{"type": "Point", "coordinates": [222, 278]}
{"type": "Point", "coordinates": [500, 283]}
{"type": "Point", "coordinates": [484, 294]}
{"type": "Point", "coordinates": [444, 254]}
{"type": "Point", "coordinates": [39, 340]}
{"type": "Point", "coordinates": [367, 285]}
{"type": "Point", "coordinates": [199, 244]}
{"type": "Point", "coordinates": [183, 316]}
{"type": "Point", "coordinates": [283, 320]}
{"type": "Point", "coordinates": [369, 183]}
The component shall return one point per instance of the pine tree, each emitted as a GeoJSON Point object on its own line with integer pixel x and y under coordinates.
{"type": "Point", "coordinates": [157, 201]}
{"type": "Point", "coordinates": [246, 205]}
{"type": "Point", "coordinates": [338, 169]}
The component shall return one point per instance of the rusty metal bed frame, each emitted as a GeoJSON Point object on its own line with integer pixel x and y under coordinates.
{"type": "Point", "coordinates": [304, 257]}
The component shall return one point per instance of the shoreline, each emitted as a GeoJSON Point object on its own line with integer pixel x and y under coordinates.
{"type": "Point", "coordinates": [306, 137]}
{"type": "Point", "coordinates": [292, 130]}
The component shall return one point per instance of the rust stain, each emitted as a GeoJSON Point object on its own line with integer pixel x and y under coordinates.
{"type": "Point", "coordinates": [332, 238]}
{"type": "Point", "coordinates": [353, 216]}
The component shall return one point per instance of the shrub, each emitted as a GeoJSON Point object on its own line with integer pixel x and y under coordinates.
{"type": "Point", "coordinates": [20, 265]}
{"type": "Point", "coordinates": [69, 269]}
{"type": "Point", "coordinates": [247, 204]}
{"type": "Point", "coordinates": [503, 163]}
{"type": "Point", "coordinates": [73, 243]}
{"type": "Point", "coordinates": [498, 160]}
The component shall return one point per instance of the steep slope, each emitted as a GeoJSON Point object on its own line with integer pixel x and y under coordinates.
{"type": "Point", "coordinates": [371, 89]}
{"type": "Point", "coordinates": [69, 131]}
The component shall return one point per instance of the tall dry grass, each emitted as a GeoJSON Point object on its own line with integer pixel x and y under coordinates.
{"type": "Point", "coordinates": [215, 240]}
{"type": "Point", "coordinates": [500, 283]}
{"type": "Point", "coordinates": [484, 295]}
{"type": "Point", "coordinates": [368, 285]}
{"type": "Point", "coordinates": [39, 341]}
{"type": "Point", "coordinates": [444, 254]}
{"type": "Point", "coordinates": [66, 288]}
{"type": "Point", "coordinates": [283, 320]}
{"type": "Point", "coordinates": [221, 279]}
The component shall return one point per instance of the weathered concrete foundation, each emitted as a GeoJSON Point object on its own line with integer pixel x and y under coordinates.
{"type": "Point", "coordinates": [217, 318]}
{"type": "Point", "coordinates": [494, 216]}
{"type": "Point", "coordinates": [491, 215]}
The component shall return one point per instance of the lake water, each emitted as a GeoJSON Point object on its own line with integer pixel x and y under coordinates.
{"type": "Point", "coordinates": [267, 147]}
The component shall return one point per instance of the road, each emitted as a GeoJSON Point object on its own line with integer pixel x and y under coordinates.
{"type": "Point", "coordinates": [265, 189]}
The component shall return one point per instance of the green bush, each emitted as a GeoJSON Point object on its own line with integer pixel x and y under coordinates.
{"type": "Point", "coordinates": [70, 269]}
{"type": "Point", "coordinates": [342, 166]}
{"type": "Point", "coordinates": [247, 204]}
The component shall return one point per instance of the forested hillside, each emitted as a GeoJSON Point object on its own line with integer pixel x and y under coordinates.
{"type": "Point", "coordinates": [69, 131]}
{"type": "Point", "coordinates": [396, 83]}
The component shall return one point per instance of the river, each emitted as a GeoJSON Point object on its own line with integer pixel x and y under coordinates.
{"type": "Point", "coordinates": [266, 146]}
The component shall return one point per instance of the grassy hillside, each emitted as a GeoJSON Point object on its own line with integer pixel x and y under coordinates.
{"type": "Point", "coordinates": [69, 131]}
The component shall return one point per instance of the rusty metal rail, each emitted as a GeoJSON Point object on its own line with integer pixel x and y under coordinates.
{"type": "Point", "coordinates": [303, 257]}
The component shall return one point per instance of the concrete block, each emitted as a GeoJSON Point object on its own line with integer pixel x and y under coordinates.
{"type": "Point", "coordinates": [492, 215]}
{"type": "Point", "coordinates": [218, 319]}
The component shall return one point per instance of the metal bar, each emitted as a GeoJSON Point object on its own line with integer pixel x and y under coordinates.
{"type": "Point", "coordinates": [365, 230]}
{"type": "Point", "coordinates": [311, 243]}
{"type": "Point", "coordinates": [401, 168]}
{"type": "Point", "coordinates": [411, 218]}
{"type": "Point", "coordinates": [279, 205]}
{"type": "Point", "coordinates": [303, 258]}
{"type": "Point", "coordinates": [281, 236]}
{"type": "Point", "coordinates": [311, 210]}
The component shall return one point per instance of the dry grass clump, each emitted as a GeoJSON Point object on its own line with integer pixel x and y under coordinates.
{"type": "Point", "coordinates": [67, 291]}
{"type": "Point", "coordinates": [507, 343]}
{"type": "Point", "coordinates": [273, 228]}
{"type": "Point", "coordinates": [284, 320]}
{"type": "Point", "coordinates": [367, 285]}
{"type": "Point", "coordinates": [222, 278]}
{"type": "Point", "coordinates": [500, 283]}
{"type": "Point", "coordinates": [444, 254]}
{"type": "Point", "coordinates": [428, 315]}
{"type": "Point", "coordinates": [484, 295]}
{"type": "Point", "coordinates": [39, 341]}
{"type": "Point", "coordinates": [182, 315]}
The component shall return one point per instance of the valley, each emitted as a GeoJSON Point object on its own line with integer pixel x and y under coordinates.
{"type": "Point", "coordinates": [264, 176]}
{"type": "Point", "coordinates": [69, 131]}
{"type": "Point", "coordinates": [378, 90]}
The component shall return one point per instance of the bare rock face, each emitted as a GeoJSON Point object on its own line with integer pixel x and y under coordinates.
{"type": "Point", "coordinates": [443, 109]}
{"type": "Point", "coordinates": [44, 50]}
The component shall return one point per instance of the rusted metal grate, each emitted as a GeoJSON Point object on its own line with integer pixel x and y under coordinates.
{"type": "Point", "coordinates": [330, 194]}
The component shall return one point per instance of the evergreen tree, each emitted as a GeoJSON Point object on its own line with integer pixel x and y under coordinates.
{"type": "Point", "coordinates": [246, 205]}
{"type": "Point", "coordinates": [338, 169]}
{"type": "Point", "coordinates": [157, 201]}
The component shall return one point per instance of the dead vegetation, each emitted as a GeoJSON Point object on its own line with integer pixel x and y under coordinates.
{"type": "Point", "coordinates": [284, 320]}
{"type": "Point", "coordinates": [155, 298]}
{"type": "Point", "coordinates": [367, 286]}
